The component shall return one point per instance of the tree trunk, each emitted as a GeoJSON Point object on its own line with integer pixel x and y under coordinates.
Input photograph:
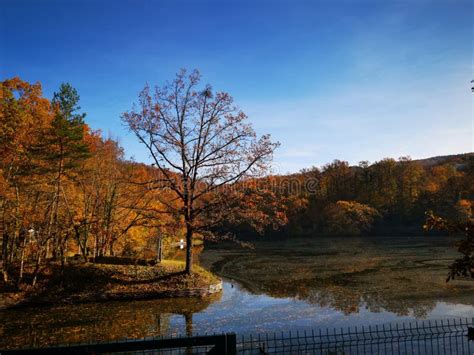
{"type": "Point", "coordinates": [63, 253]}
{"type": "Point", "coordinates": [189, 250]}
{"type": "Point", "coordinates": [46, 254]}
{"type": "Point", "coordinates": [82, 245]}
{"type": "Point", "coordinates": [111, 248]}
{"type": "Point", "coordinates": [188, 317]}
{"type": "Point", "coordinates": [96, 246]}
{"type": "Point", "coordinates": [5, 257]}
{"type": "Point", "coordinates": [159, 250]}
{"type": "Point", "coordinates": [37, 268]}
{"type": "Point", "coordinates": [22, 258]}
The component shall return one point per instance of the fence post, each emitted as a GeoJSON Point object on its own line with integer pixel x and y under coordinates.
{"type": "Point", "coordinates": [231, 344]}
{"type": "Point", "coordinates": [470, 333]}
{"type": "Point", "coordinates": [226, 344]}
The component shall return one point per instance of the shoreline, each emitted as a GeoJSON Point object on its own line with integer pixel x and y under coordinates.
{"type": "Point", "coordinates": [132, 296]}
{"type": "Point", "coordinates": [91, 283]}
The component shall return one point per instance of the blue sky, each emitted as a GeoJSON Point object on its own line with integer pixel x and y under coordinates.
{"type": "Point", "coordinates": [352, 80]}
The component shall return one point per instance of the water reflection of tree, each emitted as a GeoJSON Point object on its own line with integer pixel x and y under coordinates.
{"type": "Point", "coordinates": [98, 321]}
{"type": "Point", "coordinates": [352, 302]}
{"type": "Point", "coordinates": [406, 278]}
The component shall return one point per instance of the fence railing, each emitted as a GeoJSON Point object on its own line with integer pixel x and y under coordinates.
{"type": "Point", "coordinates": [427, 337]}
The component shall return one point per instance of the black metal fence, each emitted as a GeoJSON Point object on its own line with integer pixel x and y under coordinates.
{"type": "Point", "coordinates": [427, 337]}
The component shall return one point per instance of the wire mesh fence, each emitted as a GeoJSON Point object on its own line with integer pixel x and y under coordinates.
{"type": "Point", "coordinates": [427, 337]}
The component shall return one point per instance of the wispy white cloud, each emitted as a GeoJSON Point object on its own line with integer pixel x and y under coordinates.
{"type": "Point", "coordinates": [407, 92]}
{"type": "Point", "coordinates": [420, 118]}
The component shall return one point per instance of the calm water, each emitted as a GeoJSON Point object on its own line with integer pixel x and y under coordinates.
{"type": "Point", "coordinates": [276, 286]}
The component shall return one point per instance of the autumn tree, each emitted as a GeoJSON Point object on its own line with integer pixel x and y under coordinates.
{"type": "Point", "coordinates": [24, 112]}
{"type": "Point", "coordinates": [336, 181]}
{"type": "Point", "coordinates": [349, 218]}
{"type": "Point", "coordinates": [462, 226]}
{"type": "Point", "coordinates": [40, 142]}
{"type": "Point", "coordinates": [200, 142]}
{"type": "Point", "coordinates": [258, 206]}
{"type": "Point", "coordinates": [99, 194]}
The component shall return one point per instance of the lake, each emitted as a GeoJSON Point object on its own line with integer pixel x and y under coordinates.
{"type": "Point", "coordinates": [279, 285]}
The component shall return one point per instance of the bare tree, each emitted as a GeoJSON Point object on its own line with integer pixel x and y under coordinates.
{"type": "Point", "coordinates": [200, 143]}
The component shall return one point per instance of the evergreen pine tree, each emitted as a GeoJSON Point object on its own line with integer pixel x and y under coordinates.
{"type": "Point", "coordinates": [59, 152]}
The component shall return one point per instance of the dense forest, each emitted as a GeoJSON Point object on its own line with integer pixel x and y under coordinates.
{"type": "Point", "coordinates": [388, 197]}
{"type": "Point", "coordinates": [67, 190]}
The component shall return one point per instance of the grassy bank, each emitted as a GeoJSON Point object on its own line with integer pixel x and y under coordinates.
{"type": "Point", "coordinates": [88, 282]}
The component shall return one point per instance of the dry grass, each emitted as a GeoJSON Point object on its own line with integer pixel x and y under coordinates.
{"type": "Point", "coordinates": [80, 282]}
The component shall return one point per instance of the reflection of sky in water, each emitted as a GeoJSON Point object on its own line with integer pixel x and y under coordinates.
{"type": "Point", "coordinates": [235, 310]}
{"type": "Point", "coordinates": [242, 312]}
{"type": "Point", "coordinates": [397, 279]}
